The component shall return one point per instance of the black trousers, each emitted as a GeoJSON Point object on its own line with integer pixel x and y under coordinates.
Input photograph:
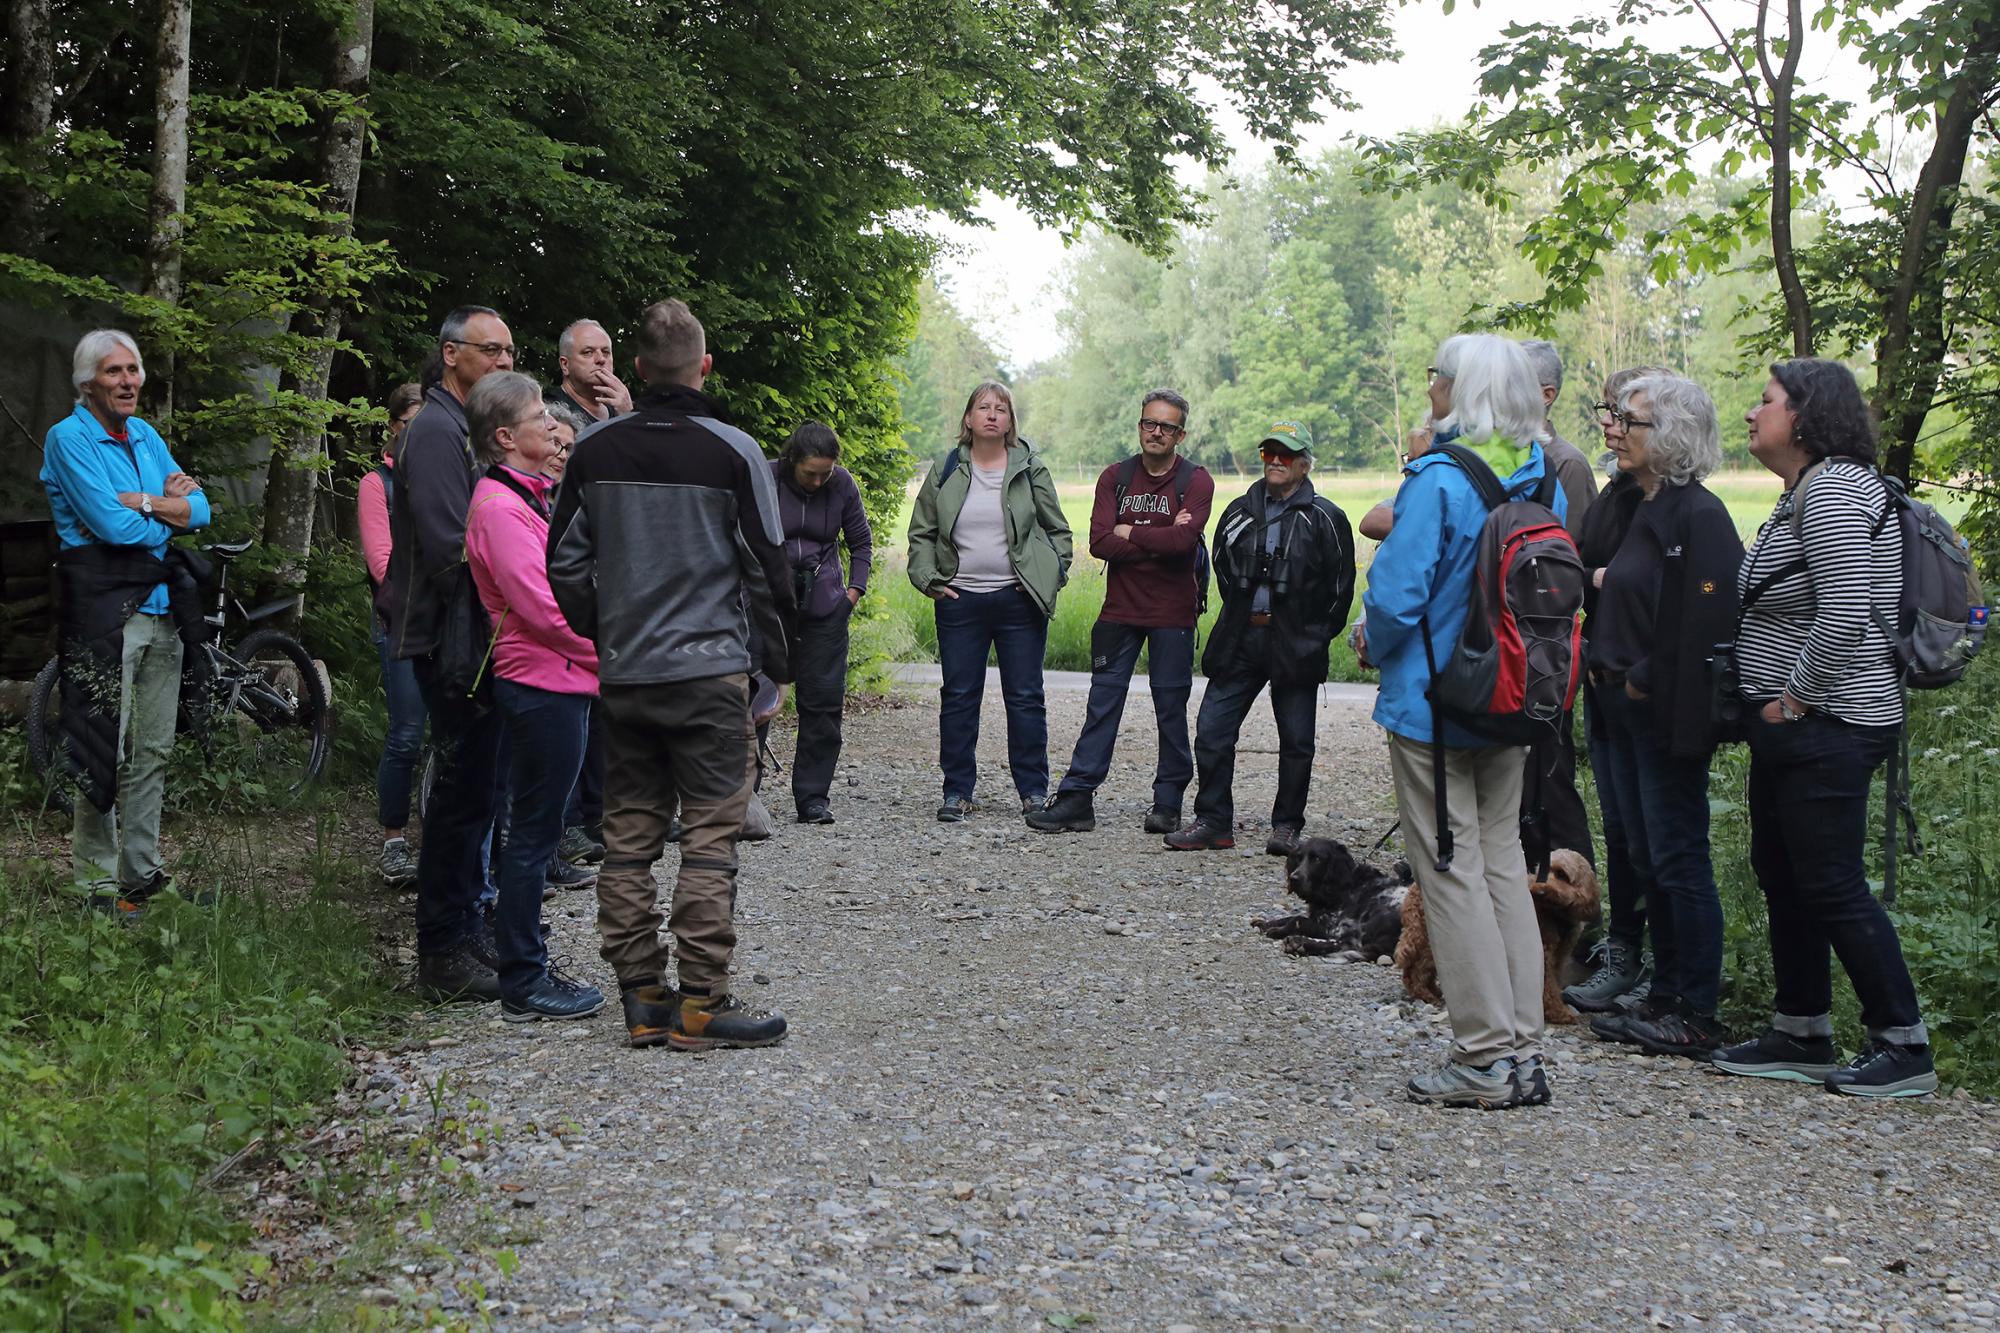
{"type": "Point", "coordinates": [820, 692]}
{"type": "Point", "coordinates": [1551, 777]}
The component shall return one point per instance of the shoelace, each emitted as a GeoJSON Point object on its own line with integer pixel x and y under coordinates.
{"type": "Point", "coordinates": [1875, 1053]}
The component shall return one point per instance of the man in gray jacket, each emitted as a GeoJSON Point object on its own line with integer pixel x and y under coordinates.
{"type": "Point", "coordinates": [666, 550]}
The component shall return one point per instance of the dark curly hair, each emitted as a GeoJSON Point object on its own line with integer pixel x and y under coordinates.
{"type": "Point", "coordinates": [1832, 416]}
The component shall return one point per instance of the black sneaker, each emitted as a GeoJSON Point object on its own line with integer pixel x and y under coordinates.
{"type": "Point", "coordinates": [1681, 1032]}
{"type": "Point", "coordinates": [563, 875]}
{"type": "Point", "coordinates": [956, 810]}
{"type": "Point", "coordinates": [1161, 819]}
{"type": "Point", "coordinates": [704, 1022]}
{"type": "Point", "coordinates": [1886, 1069]}
{"type": "Point", "coordinates": [815, 812]}
{"type": "Point", "coordinates": [1620, 969]}
{"type": "Point", "coordinates": [1069, 812]}
{"type": "Point", "coordinates": [649, 1013]}
{"type": "Point", "coordinates": [1284, 840]}
{"type": "Point", "coordinates": [457, 974]}
{"type": "Point", "coordinates": [553, 996]}
{"type": "Point", "coordinates": [1201, 836]}
{"type": "Point", "coordinates": [1775, 1054]}
{"type": "Point", "coordinates": [578, 846]}
{"type": "Point", "coordinates": [1616, 1026]}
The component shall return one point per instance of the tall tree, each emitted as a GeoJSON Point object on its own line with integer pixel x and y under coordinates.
{"type": "Point", "coordinates": [166, 227]}
{"type": "Point", "coordinates": [27, 105]}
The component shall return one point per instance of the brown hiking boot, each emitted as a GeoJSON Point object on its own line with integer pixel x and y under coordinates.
{"type": "Point", "coordinates": [704, 1022]}
{"type": "Point", "coordinates": [649, 1014]}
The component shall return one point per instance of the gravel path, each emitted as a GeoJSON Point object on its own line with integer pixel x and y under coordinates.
{"type": "Point", "coordinates": [1055, 1081]}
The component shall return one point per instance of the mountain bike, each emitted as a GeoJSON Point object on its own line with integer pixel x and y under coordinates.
{"type": "Point", "coordinates": [264, 697]}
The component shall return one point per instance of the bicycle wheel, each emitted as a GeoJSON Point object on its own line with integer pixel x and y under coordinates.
{"type": "Point", "coordinates": [44, 737]}
{"type": "Point", "coordinates": [283, 715]}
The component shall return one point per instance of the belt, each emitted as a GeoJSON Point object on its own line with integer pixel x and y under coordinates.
{"type": "Point", "coordinates": [1260, 619]}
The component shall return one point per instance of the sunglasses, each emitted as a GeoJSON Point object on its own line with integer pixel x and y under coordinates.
{"type": "Point", "coordinates": [1279, 456]}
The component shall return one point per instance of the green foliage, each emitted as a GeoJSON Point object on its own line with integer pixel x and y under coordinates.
{"type": "Point", "coordinates": [137, 1060]}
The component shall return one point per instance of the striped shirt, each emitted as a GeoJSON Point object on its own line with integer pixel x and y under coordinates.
{"type": "Point", "coordinates": [1811, 630]}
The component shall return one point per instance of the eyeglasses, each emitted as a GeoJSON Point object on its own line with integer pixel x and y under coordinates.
{"type": "Point", "coordinates": [545, 417]}
{"type": "Point", "coordinates": [1432, 371]}
{"type": "Point", "coordinates": [1609, 415]}
{"type": "Point", "coordinates": [1280, 456]}
{"type": "Point", "coordinates": [1166, 428]}
{"type": "Point", "coordinates": [495, 350]}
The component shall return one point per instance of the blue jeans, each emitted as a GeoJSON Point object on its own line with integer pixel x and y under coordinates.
{"type": "Point", "coordinates": [1625, 895]}
{"type": "Point", "coordinates": [545, 734]}
{"type": "Point", "coordinates": [451, 866]}
{"type": "Point", "coordinates": [405, 740]}
{"type": "Point", "coordinates": [1224, 705]}
{"type": "Point", "coordinates": [1663, 804]}
{"type": "Point", "coordinates": [1114, 652]}
{"type": "Point", "coordinates": [1009, 623]}
{"type": "Point", "coordinates": [1808, 824]}
{"type": "Point", "coordinates": [586, 802]}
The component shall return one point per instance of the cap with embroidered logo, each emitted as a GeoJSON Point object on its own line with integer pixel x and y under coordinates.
{"type": "Point", "coordinates": [1290, 436]}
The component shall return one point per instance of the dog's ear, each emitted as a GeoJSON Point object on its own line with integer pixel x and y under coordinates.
{"type": "Point", "coordinates": [1404, 875]}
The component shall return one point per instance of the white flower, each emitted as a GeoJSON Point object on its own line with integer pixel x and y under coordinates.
{"type": "Point", "coordinates": [1951, 759]}
{"type": "Point", "coordinates": [1949, 710]}
{"type": "Point", "coordinates": [1933, 752]}
{"type": "Point", "coordinates": [1991, 752]}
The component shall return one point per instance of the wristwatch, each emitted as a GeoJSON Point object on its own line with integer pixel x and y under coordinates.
{"type": "Point", "coordinates": [145, 504]}
{"type": "Point", "coordinates": [1789, 713]}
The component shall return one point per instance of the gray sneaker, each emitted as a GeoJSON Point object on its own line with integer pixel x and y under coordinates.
{"type": "Point", "coordinates": [1531, 1081]}
{"type": "Point", "coordinates": [397, 866]}
{"type": "Point", "coordinates": [956, 810]}
{"type": "Point", "coordinates": [1621, 970]}
{"type": "Point", "coordinates": [1489, 1089]}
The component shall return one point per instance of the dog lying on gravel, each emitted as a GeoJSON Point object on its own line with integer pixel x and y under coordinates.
{"type": "Point", "coordinates": [1352, 908]}
{"type": "Point", "coordinates": [1565, 903]}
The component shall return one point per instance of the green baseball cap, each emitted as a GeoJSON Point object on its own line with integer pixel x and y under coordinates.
{"type": "Point", "coordinates": [1290, 436]}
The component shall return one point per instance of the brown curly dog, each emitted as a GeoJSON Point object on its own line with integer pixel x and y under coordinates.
{"type": "Point", "coordinates": [1565, 903]}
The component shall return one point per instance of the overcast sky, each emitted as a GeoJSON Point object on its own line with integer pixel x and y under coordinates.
{"type": "Point", "coordinates": [1004, 277]}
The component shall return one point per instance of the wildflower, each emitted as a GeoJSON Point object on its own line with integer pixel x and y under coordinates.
{"type": "Point", "coordinates": [1991, 752]}
{"type": "Point", "coordinates": [1933, 752]}
{"type": "Point", "coordinates": [1949, 710]}
{"type": "Point", "coordinates": [1951, 759]}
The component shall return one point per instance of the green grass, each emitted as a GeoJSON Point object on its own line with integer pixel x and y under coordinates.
{"type": "Point", "coordinates": [137, 1059]}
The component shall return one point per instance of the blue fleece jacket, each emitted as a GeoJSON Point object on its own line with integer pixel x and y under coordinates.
{"type": "Point", "coordinates": [1424, 569]}
{"type": "Point", "coordinates": [84, 470]}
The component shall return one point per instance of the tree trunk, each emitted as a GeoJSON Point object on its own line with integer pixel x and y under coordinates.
{"type": "Point", "coordinates": [1910, 355]}
{"type": "Point", "coordinates": [27, 106]}
{"type": "Point", "coordinates": [293, 481]}
{"type": "Point", "coordinates": [166, 218]}
{"type": "Point", "coordinates": [1798, 308]}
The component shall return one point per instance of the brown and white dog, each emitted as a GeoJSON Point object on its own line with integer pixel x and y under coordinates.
{"type": "Point", "coordinates": [1565, 903]}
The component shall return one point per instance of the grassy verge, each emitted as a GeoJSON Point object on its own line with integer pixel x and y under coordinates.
{"type": "Point", "coordinates": [140, 1060]}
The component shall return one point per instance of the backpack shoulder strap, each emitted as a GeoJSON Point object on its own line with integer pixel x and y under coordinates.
{"type": "Point", "coordinates": [1490, 490]}
{"type": "Point", "coordinates": [1799, 500]}
{"type": "Point", "coordinates": [1126, 471]}
{"type": "Point", "coordinates": [388, 476]}
{"type": "Point", "coordinates": [1183, 474]}
{"type": "Point", "coordinates": [947, 465]}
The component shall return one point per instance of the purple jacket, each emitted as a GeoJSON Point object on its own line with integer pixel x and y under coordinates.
{"type": "Point", "coordinates": [813, 527]}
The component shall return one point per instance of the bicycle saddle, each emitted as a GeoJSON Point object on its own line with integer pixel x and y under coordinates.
{"type": "Point", "coordinates": [227, 550]}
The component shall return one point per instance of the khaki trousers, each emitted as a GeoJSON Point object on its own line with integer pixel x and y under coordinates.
{"type": "Point", "coordinates": [1481, 919]}
{"type": "Point", "coordinates": [121, 847]}
{"type": "Point", "coordinates": [685, 744]}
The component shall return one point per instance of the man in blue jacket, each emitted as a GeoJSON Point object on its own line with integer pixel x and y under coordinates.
{"type": "Point", "coordinates": [117, 496]}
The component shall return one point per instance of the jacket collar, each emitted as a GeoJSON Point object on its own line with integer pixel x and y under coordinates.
{"type": "Point", "coordinates": [683, 399]}
{"type": "Point", "coordinates": [135, 426]}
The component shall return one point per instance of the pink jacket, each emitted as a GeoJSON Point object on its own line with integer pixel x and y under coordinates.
{"type": "Point", "coordinates": [372, 513]}
{"type": "Point", "coordinates": [506, 544]}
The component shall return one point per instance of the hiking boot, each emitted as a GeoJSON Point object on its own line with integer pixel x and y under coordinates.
{"type": "Point", "coordinates": [563, 875]}
{"type": "Point", "coordinates": [1615, 1026]}
{"type": "Point", "coordinates": [1284, 840]}
{"type": "Point", "coordinates": [1886, 1069]}
{"type": "Point", "coordinates": [704, 1022]}
{"type": "Point", "coordinates": [1201, 836]}
{"type": "Point", "coordinates": [1680, 1032]}
{"type": "Point", "coordinates": [649, 1013]}
{"type": "Point", "coordinates": [816, 812]}
{"type": "Point", "coordinates": [1620, 968]}
{"type": "Point", "coordinates": [1030, 804]}
{"type": "Point", "coordinates": [1161, 819]}
{"type": "Point", "coordinates": [1069, 812]}
{"type": "Point", "coordinates": [121, 906]}
{"type": "Point", "coordinates": [1776, 1054]}
{"type": "Point", "coordinates": [757, 825]}
{"type": "Point", "coordinates": [554, 996]}
{"type": "Point", "coordinates": [578, 846]}
{"type": "Point", "coordinates": [956, 810]}
{"type": "Point", "coordinates": [457, 974]}
{"type": "Point", "coordinates": [1531, 1081]}
{"type": "Point", "coordinates": [1489, 1089]}
{"type": "Point", "coordinates": [396, 866]}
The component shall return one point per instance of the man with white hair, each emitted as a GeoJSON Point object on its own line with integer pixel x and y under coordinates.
{"type": "Point", "coordinates": [117, 497]}
{"type": "Point", "coordinates": [588, 383]}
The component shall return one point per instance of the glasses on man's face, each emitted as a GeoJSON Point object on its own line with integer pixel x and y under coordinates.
{"type": "Point", "coordinates": [1166, 429]}
{"type": "Point", "coordinates": [494, 350]}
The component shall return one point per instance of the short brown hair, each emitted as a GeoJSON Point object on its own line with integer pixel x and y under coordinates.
{"type": "Point", "coordinates": [671, 342]}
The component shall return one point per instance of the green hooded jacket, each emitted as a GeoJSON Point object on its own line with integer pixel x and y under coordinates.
{"type": "Point", "coordinates": [1038, 537]}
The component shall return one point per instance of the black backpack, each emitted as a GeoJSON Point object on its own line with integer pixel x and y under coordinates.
{"type": "Point", "coordinates": [1184, 470]}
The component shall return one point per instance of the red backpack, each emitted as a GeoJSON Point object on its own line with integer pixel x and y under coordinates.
{"type": "Point", "coordinates": [1511, 678]}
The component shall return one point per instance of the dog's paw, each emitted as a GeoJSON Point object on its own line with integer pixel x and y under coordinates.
{"type": "Point", "coordinates": [1295, 946]}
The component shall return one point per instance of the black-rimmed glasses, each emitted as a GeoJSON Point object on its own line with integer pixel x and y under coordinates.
{"type": "Point", "coordinates": [1607, 414]}
{"type": "Point", "coordinates": [491, 349]}
{"type": "Point", "coordinates": [1166, 428]}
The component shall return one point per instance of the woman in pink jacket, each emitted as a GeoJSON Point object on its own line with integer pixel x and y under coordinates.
{"type": "Point", "coordinates": [544, 677]}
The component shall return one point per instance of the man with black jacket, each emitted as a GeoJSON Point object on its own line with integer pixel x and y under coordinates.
{"type": "Point", "coordinates": [667, 550]}
{"type": "Point", "coordinates": [1284, 563]}
{"type": "Point", "coordinates": [429, 586]}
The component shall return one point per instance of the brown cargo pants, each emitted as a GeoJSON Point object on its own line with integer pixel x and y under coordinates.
{"type": "Point", "coordinates": [689, 744]}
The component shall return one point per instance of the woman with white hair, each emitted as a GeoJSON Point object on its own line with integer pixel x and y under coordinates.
{"type": "Point", "coordinates": [1666, 599]}
{"type": "Point", "coordinates": [1485, 397]}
